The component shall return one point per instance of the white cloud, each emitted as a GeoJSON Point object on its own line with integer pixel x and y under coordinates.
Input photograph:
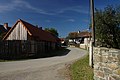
{"type": "Point", "coordinates": [7, 7]}
{"type": "Point", "coordinates": [78, 9]}
{"type": "Point", "coordinates": [17, 4]}
{"type": "Point", "coordinates": [86, 20]}
{"type": "Point", "coordinates": [48, 21]}
{"type": "Point", "coordinates": [70, 20]}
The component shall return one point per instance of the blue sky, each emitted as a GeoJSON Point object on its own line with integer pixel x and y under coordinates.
{"type": "Point", "coordinates": [64, 15]}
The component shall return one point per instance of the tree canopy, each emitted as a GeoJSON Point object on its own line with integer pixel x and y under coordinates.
{"type": "Point", "coordinates": [107, 26]}
{"type": "Point", "coordinates": [52, 31]}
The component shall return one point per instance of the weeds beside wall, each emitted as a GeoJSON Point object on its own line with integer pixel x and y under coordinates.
{"type": "Point", "coordinates": [106, 64]}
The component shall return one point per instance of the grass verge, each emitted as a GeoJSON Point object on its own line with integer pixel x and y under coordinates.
{"type": "Point", "coordinates": [80, 70]}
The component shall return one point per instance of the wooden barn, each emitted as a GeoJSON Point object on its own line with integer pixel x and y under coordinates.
{"type": "Point", "coordinates": [26, 38]}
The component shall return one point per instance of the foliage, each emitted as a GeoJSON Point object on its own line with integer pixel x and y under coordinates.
{"type": "Point", "coordinates": [107, 27]}
{"type": "Point", "coordinates": [52, 30]}
{"type": "Point", "coordinates": [72, 35]}
{"type": "Point", "coordinates": [81, 70]}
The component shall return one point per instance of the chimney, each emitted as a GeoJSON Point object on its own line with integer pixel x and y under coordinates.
{"type": "Point", "coordinates": [6, 26]}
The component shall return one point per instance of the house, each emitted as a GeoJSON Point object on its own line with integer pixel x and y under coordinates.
{"type": "Point", "coordinates": [25, 31]}
{"type": "Point", "coordinates": [3, 30]}
{"type": "Point", "coordinates": [81, 38]}
{"type": "Point", "coordinates": [63, 42]}
{"type": "Point", "coordinates": [37, 39]}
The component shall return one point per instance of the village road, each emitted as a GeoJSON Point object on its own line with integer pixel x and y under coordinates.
{"type": "Point", "coordinates": [39, 69]}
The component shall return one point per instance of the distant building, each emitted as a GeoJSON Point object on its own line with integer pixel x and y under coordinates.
{"type": "Point", "coordinates": [63, 42]}
{"type": "Point", "coordinates": [81, 38]}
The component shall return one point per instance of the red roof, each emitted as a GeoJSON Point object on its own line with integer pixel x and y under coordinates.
{"type": "Point", "coordinates": [35, 32]}
{"type": "Point", "coordinates": [84, 34]}
{"type": "Point", "coordinates": [80, 34]}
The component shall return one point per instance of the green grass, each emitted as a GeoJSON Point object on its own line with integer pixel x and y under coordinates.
{"type": "Point", "coordinates": [80, 70]}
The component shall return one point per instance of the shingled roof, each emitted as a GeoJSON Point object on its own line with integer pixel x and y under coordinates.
{"type": "Point", "coordinates": [79, 34]}
{"type": "Point", "coordinates": [34, 32]}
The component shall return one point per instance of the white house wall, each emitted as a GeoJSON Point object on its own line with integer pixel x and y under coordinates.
{"type": "Point", "coordinates": [86, 41]}
{"type": "Point", "coordinates": [18, 33]}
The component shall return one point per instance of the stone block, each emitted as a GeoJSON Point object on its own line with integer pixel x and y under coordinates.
{"type": "Point", "coordinates": [117, 71]}
{"type": "Point", "coordinates": [101, 79]}
{"type": "Point", "coordinates": [96, 67]}
{"type": "Point", "coordinates": [100, 74]}
{"type": "Point", "coordinates": [101, 64]}
{"type": "Point", "coordinates": [107, 71]}
{"type": "Point", "coordinates": [97, 78]}
{"type": "Point", "coordinates": [104, 53]}
{"type": "Point", "coordinates": [116, 59]}
{"type": "Point", "coordinates": [114, 54]}
{"type": "Point", "coordinates": [110, 59]}
{"type": "Point", "coordinates": [98, 58]}
{"type": "Point", "coordinates": [112, 66]}
{"type": "Point", "coordinates": [104, 59]}
{"type": "Point", "coordinates": [110, 78]}
{"type": "Point", "coordinates": [116, 77]}
{"type": "Point", "coordinates": [118, 56]}
{"type": "Point", "coordinates": [114, 50]}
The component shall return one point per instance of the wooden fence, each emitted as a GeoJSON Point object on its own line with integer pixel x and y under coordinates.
{"type": "Point", "coordinates": [17, 49]}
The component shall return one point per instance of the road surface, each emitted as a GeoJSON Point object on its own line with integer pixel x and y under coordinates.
{"type": "Point", "coordinates": [39, 69]}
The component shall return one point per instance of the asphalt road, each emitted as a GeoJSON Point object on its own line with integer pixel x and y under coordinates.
{"type": "Point", "coordinates": [39, 69]}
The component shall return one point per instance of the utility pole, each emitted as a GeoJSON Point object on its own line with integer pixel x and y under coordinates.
{"type": "Point", "coordinates": [92, 43]}
{"type": "Point", "coordinates": [93, 22]}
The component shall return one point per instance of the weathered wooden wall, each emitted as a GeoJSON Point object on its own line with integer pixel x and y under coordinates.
{"type": "Point", "coordinates": [12, 49]}
{"type": "Point", "coordinates": [19, 33]}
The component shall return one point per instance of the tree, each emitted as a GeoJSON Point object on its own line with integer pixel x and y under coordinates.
{"type": "Point", "coordinates": [72, 35]}
{"type": "Point", "coordinates": [107, 26]}
{"type": "Point", "coordinates": [52, 31]}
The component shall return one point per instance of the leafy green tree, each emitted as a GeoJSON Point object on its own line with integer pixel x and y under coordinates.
{"type": "Point", "coordinates": [53, 31]}
{"type": "Point", "coordinates": [107, 26]}
{"type": "Point", "coordinates": [72, 35]}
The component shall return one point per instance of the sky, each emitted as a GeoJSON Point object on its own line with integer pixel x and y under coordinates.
{"type": "Point", "coordinates": [63, 15]}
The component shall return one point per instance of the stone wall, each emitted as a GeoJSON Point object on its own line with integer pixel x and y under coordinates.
{"type": "Point", "coordinates": [106, 64]}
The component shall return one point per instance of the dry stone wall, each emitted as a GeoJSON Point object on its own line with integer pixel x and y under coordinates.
{"type": "Point", "coordinates": [106, 64]}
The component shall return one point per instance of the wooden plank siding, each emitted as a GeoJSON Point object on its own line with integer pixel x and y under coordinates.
{"type": "Point", "coordinates": [25, 39]}
{"type": "Point", "coordinates": [13, 49]}
{"type": "Point", "coordinates": [18, 33]}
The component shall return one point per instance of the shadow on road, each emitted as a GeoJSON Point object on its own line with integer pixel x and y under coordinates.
{"type": "Point", "coordinates": [60, 52]}
{"type": "Point", "coordinates": [63, 52]}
